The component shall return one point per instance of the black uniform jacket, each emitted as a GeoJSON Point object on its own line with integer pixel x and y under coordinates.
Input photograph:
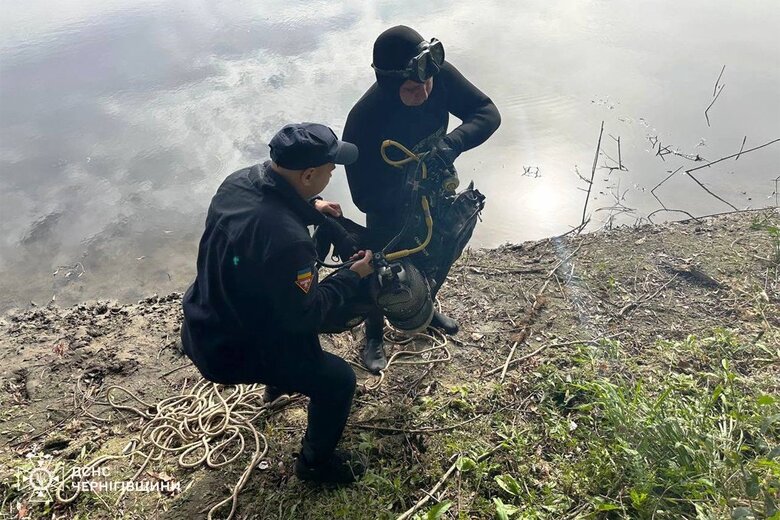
{"type": "Point", "coordinates": [256, 289]}
{"type": "Point", "coordinates": [376, 187]}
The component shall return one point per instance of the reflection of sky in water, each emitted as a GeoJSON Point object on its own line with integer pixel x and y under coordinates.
{"type": "Point", "coordinates": [118, 122]}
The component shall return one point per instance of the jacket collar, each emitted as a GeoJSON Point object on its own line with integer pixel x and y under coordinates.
{"type": "Point", "coordinates": [267, 180]}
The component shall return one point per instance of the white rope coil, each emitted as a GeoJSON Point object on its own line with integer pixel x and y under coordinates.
{"type": "Point", "coordinates": [212, 425]}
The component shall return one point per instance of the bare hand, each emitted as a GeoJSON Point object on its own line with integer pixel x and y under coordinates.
{"type": "Point", "coordinates": [363, 266]}
{"type": "Point", "coordinates": [328, 208]}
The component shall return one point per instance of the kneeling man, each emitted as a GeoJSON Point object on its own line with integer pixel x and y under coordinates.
{"type": "Point", "coordinates": [255, 308]}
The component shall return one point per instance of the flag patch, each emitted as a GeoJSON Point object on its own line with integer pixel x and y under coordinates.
{"type": "Point", "coordinates": [304, 279]}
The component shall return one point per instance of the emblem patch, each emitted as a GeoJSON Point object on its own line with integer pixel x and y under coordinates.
{"type": "Point", "coordinates": [304, 279]}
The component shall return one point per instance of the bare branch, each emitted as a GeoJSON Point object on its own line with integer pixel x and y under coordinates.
{"type": "Point", "coordinates": [730, 156]}
{"type": "Point", "coordinates": [715, 89]}
{"type": "Point", "coordinates": [653, 140]}
{"type": "Point", "coordinates": [575, 230]}
{"type": "Point", "coordinates": [592, 173]}
{"type": "Point", "coordinates": [741, 148]}
{"type": "Point", "coordinates": [577, 171]}
{"type": "Point", "coordinates": [777, 181]}
{"type": "Point", "coordinates": [650, 216]}
{"type": "Point", "coordinates": [711, 193]}
{"type": "Point", "coordinates": [712, 103]}
{"type": "Point", "coordinates": [659, 185]}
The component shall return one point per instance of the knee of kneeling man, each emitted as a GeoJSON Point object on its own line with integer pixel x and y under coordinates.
{"type": "Point", "coordinates": [350, 381]}
{"type": "Point", "coordinates": [340, 377]}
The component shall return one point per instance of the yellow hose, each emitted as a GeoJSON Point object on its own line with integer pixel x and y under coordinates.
{"type": "Point", "coordinates": [428, 222]}
{"type": "Point", "coordinates": [410, 156]}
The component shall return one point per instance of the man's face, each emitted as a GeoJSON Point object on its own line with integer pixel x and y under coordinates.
{"type": "Point", "coordinates": [414, 94]}
{"type": "Point", "coordinates": [316, 179]}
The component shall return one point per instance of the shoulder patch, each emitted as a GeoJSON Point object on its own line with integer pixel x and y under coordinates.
{"type": "Point", "coordinates": [304, 279]}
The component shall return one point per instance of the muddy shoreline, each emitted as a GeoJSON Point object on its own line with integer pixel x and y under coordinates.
{"type": "Point", "coordinates": [633, 286]}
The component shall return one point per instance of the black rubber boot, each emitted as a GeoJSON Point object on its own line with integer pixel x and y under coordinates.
{"type": "Point", "coordinates": [373, 355]}
{"type": "Point", "coordinates": [341, 468]}
{"type": "Point", "coordinates": [445, 323]}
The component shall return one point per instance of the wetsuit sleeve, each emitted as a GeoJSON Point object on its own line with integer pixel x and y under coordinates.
{"type": "Point", "coordinates": [370, 192]}
{"type": "Point", "coordinates": [477, 111]}
{"type": "Point", "coordinates": [299, 302]}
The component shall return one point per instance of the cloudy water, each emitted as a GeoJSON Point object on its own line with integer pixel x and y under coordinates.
{"type": "Point", "coordinates": [118, 120]}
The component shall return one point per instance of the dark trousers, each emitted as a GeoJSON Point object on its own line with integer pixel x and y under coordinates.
{"type": "Point", "coordinates": [302, 367]}
{"type": "Point", "coordinates": [381, 230]}
{"type": "Point", "coordinates": [329, 382]}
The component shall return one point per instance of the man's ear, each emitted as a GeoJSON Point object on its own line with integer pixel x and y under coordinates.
{"type": "Point", "coordinates": [307, 176]}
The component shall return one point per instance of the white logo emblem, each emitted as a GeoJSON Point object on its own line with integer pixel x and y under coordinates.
{"type": "Point", "coordinates": [41, 481]}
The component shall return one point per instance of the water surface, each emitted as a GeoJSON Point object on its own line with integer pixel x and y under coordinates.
{"type": "Point", "coordinates": [118, 120]}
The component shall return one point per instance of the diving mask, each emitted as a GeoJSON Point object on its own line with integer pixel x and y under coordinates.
{"type": "Point", "coordinates": [424, 65]}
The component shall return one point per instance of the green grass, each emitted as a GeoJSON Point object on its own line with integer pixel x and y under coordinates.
{"type": "Point", "coordinates": [622, 444]}
{"type": "Point", "coordinates": [684, 429]}
{"type": "Point", "coordinates": [679, 430]}
{"type": "Point", "coordinates": [773, 231]}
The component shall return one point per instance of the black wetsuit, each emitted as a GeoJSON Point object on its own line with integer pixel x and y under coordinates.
{"type": "Point", "coordinates": [377, 187]}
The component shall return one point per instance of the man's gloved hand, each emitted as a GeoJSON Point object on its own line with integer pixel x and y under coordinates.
{"type": "Point", "coordinates": [443, 153]}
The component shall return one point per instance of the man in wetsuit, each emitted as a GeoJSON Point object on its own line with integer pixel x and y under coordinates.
{"type": "Point", "coordinates": [253, 313]}
{"type": "Point", "coordinates": [415, 92]}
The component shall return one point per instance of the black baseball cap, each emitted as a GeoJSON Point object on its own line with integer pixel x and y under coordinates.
{"type": "Point", "coordinates": [307, 145]}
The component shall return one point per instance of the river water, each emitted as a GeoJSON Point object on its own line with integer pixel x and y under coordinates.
{"type": "Point", "coordinates": [118, 120]}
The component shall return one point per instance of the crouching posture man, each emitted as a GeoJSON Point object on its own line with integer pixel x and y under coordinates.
{"type": "Point", "coordinates": [256, 306]}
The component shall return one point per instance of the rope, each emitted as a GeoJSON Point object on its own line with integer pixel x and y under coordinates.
{"type": "Point", "coordinates": [213, 425]}
{"type": "Point", "coordinates": [209, 425]}
{"type": "Point", "coordinates": [440, 342]}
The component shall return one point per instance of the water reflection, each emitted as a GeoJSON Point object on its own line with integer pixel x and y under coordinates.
{"type": "Point", "coordinates": [117, 122]}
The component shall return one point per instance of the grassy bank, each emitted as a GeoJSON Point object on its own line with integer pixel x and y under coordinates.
{"type": "Point", "coordinates": [625, 374]}
{"type": "Point", "coordinates": [683, 430]}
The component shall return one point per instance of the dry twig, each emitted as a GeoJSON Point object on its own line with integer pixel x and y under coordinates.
{"type": "Point", "coordinates": [715, 88]}
{"type": "Point", "coordinates": [715, 93]}
{"type": "Point", "coordinates": [508, 359]}
{"type": "Point", "coordinates": [428, 494]}
{"type": "Point", "coordinates": [730, 156]}
{"type": "Point", "coordinates": [741, 148]}
{"type": "Point", "coordinates": [633, 305]}
{"type": "Point", "coordinates": [592, 174]}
